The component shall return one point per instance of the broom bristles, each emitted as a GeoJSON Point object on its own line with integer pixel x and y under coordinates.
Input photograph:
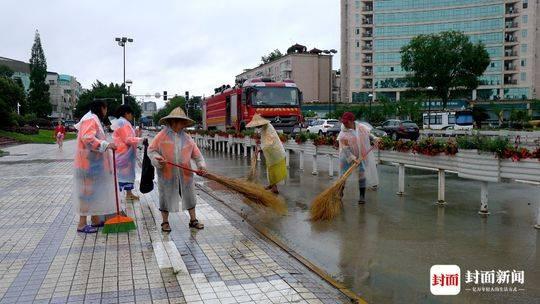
{"type": "Point", "coordinates": [119, 223]}
{"type": "Point", "coordinates": [327, 205]}
{"type": "Point", "coordinates": [252, 191]}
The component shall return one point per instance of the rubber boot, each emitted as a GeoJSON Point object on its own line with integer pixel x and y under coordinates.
{"type": "Point", "coordinates": [362, 199]}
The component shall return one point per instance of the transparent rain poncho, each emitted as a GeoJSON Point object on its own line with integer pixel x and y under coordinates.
{"type": "Point", "coordinates": [94, 192]}
{"type": "Point", "coordinates": [354, 144]}
{"type": "Point", "coordinates": [274, 155]}
{"type": "Point", "coordinates": [178, 148]}
{"type": "Point", "coordinates": [126, 152]}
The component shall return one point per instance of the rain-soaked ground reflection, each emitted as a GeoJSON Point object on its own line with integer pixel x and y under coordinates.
{"type": "Point", "coordinates": [384, 250]}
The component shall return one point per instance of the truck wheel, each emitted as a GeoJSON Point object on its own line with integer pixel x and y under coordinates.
{"type": "Point", "coordinates": [320, 133]}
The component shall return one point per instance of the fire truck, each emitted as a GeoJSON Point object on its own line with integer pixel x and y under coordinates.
{"type": "Point", "coordinates": [233, 107]}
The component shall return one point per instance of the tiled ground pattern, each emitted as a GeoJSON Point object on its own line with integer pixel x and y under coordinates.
{"type": "Point", "coordinates": [44, 260]}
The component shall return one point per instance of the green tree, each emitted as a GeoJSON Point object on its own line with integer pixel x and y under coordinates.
{"type": "Point", "coordinates": [112, 93]}
{"type": "Point", "coordinates": [38, 99]}
{"type": "Point", "coordinates": [11, 94]}
{"type": "Point", "coordinates": [193, 108]}
{"type": "Point", "coordinates": [479, 115]}
{"type": "Point", "coordinates": [275, 54]}
{"type": "Point", "coordinates": [446, 61]}
{"type": "Point", "coordinates": [5, 71]}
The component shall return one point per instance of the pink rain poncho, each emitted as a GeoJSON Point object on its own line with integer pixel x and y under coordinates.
{"type": "Point", "coordinates": [355, 144]}
{"type": "Point", "coordinates": [178, 148]}
{"type": "Point", "coordinates": [126, 152]}
{"type": "Point", "coordinates": [94, 192]}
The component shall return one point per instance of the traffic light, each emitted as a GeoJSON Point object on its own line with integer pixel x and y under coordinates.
{"type": "Point", "coordinates": [187, 95]}
{"type": "Point", "coordinates": [164, 95]}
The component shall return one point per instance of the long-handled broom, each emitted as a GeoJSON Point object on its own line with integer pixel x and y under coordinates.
{"type": "Point", "coordinates": [327, 205]}
{"type": "Point", "coordinates": [254, 192]}
{"type": "Point", "coordinates": [118, 223]}
{"type": "Point", "coordinates": [252, 175]}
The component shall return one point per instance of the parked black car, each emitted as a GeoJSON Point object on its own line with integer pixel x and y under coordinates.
{"type": "Point", "coordinates": [398, 129]}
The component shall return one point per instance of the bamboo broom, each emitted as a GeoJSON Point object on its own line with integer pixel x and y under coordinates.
{"type": "Point", "coordinates": [328, 204]}
{"type": "Point", "coordinates": [252, 175]}
{"type": "Point", "coordinates": [254, 192]}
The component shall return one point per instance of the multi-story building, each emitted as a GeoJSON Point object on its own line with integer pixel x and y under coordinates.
{"type": "Point", "coordinates": [64, 93]}
{"type": "Point", "coordinates": [373, 32]}
{"type": "Point", "coordinates": [21, 71]}
{"type": "Point", "coordinates": [64, 90]}
{"type": "Point", "coordinates": [311, 71]}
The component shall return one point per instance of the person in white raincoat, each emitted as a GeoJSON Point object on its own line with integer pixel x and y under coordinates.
{"type": "Point", "coordinates": [354, 144]}
{"type": "Point", "coordinates": [174, 184]}
{"type": "Point", "coordinates": [94, 193]}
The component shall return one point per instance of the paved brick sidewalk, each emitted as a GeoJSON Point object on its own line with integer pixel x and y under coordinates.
{"type": "Point", "coordinates": [44, 260]}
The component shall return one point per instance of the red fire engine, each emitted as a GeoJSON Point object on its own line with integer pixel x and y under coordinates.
{"type": "Point", "coordinates": [233, 108]}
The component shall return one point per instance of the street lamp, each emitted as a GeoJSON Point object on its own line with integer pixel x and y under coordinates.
{"type": "Point", "coordinates": [122, 42]}
{"type": "Point", "coordinates": [430, 89]}
{"type": "Point", "coordinates": [370, 96]}
{"type": "Point", "coordinates": [129, 83]}
{"type": "Point", "coordinates": [330, 89]}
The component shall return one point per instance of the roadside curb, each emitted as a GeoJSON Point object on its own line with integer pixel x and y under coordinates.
{"type": "Point", "coordinates": [272, 237]}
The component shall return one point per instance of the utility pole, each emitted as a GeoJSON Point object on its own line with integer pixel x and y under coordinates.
{"type": "Point", "coordinates": [122, 42]}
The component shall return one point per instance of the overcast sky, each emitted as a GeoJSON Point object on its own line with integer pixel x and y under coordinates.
{"type": "Point", "coordinates": [179, 45]}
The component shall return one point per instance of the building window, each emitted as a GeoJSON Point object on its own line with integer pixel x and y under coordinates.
{"type": "Point", "coordinates": [525, 18]}
{"type": "Point", "coordinates": [357, 83]}
{"type": "Point", "coordinates": [493, 64]}
{"type": "Point", "coordinates": [357, 31]}
{"type": "Point", "coordinates": [357, 4]}
{"type": "Point", "coordinates": [391, 69]}
{"type": "Point", "coordinates": [357, 43]}
{"type": "Point", "coordinates": [523, 76]}
{"type": "Point", "coordinates": [357, 18]}
{"type": "Point", "coordinates": [357, 56]}
{"type": "Point", "coordinates": [523, 62]}
{"type": "Point", "coordinates": [357, 70]}
{"type": "Point", "coordinates": [523, 33]}
{"type": "Point", "coordinates": [51, 82]}
{"type": "Point", "coordinates": [525, 3]}
{"type": "Point", "coordinates": [523, 48]}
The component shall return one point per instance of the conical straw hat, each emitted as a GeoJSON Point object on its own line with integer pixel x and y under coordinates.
{"type": "Point", "coordinates": [257, 121]}
{"type": "Point", "coordinates": [176, 113]}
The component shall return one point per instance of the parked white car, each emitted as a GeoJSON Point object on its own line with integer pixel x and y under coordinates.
{"type": "Point", "coordinates": [321, 126]}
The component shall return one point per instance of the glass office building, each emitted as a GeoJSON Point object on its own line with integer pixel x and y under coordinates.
{"type": "Point", "coordinates": [373, 32]}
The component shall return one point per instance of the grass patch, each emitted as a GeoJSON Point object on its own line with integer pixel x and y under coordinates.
{"type": "Point", "coordinates": [44, 137]}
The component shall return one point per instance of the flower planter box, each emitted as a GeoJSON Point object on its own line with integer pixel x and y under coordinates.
{"type": "Point", "coordinates": [309, 148]}
{"type": "Point", "coordinates": [440, 161]}
{"type": "Point", "coordinates": [326, 150]}
{"type": "Point", "coordinates": [478, 166]}
{"type": "Point", "coordinates": [291, 145]}
{"type": "Point", "coordinates": [397, 157]}
{"type": "Point", "coordinates": [525, 169]}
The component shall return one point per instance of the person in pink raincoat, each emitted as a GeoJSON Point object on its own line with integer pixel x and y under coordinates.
{"type": "Point", "coordinates": [174, 184]}
{"type": "Point", "coordinates": [94, 192]}
{"type": "Point", "coordinates": [126, 141]}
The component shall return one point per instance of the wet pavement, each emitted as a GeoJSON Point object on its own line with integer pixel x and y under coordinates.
{"type": "Point", "coordinates": [44, 260]}
{"type": "Point", "coordinates": [384, 250]}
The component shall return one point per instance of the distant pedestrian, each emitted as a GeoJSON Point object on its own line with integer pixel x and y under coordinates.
{"type": "Point", "coordinates": [354, 145]}
{"type": "Point", "coordinates": [274, 153]}
{"type": "Point", "coordinates": [94, 180]}
{"type": "Point", "coordinates": [59, 134]}
{"type": "Point", "coordinates": [174, 184]}
{"type": "Point", "coordinates": [126, 141]}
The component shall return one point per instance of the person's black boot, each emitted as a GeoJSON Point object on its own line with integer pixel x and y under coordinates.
{"type": "Point", "coordinates": [362, 199]}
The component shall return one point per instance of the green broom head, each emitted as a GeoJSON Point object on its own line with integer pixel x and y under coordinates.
{"type": "Point", "coordinates": [119, 223]}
